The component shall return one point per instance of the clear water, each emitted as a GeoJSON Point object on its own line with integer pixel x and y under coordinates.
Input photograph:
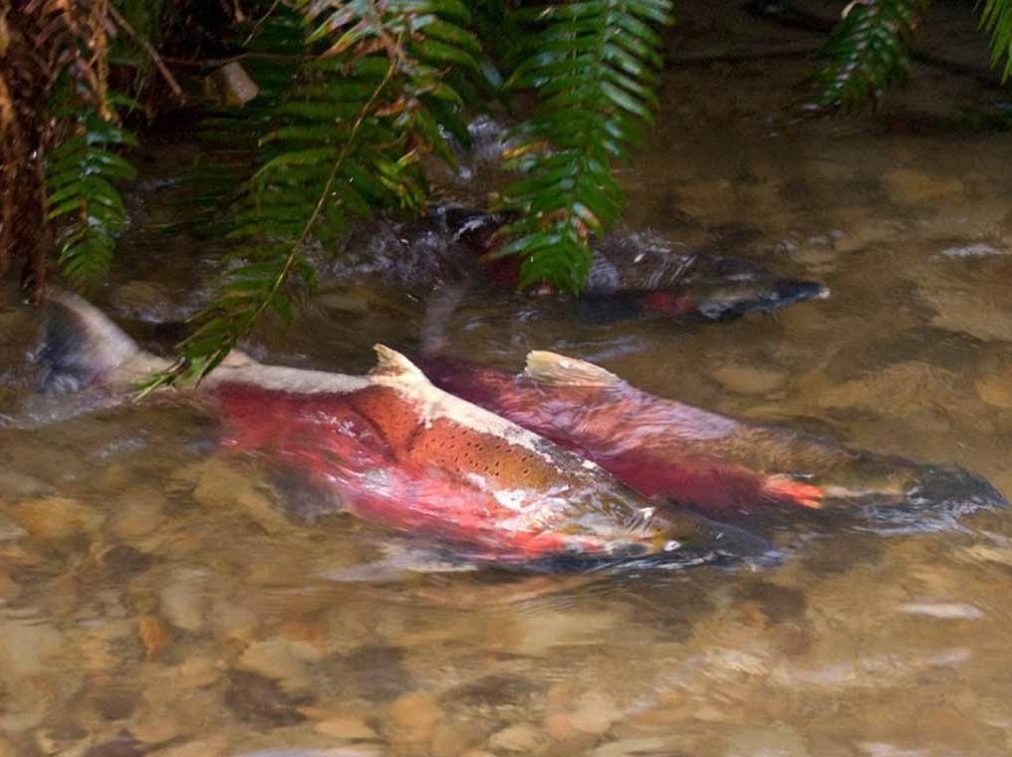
{"type": "Point", "coordinates": [155, 599]}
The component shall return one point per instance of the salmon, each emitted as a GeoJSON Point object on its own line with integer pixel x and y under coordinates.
{"type": "Point", "coordinates": [639, 275]}
{"type": "Point", "coordinates": [666, 449]}
{"type": "Point", "coordinates": [394, 450]}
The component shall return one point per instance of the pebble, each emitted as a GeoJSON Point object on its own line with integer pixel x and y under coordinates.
{"type": "Point", "coordinates": [17, 486]}
{"type": "Point", "coordinates": [9, 530]}
{"type": "Point", "coordinates": [138, 512]}
{"type": "Point", "coordinates": [521, 737]}
{"type": "Point", "coordinates": [595, 713]}
{"type": "Point", "coordinates": [767, 741]}
{"type": "Point", "coordinates": [219, 486]}
{"type": "Point", "coordinates": [746, 379]}
{"type": "Point", "coordinates": [415, 716]}
{"type": "Point", "coordinates": [25, 647]}
{"type": "Point", "coordinates": [9, 588]}
{"type": "Point", "coordinates": [260, 701]}
{"type": "Point", "coordinates": [55, 518]}
{"type": "Point", "coordinates": [209, 747]}
{"type": "Point", "coordinates": [907, 186]}
{"type": "Point", "coordinates": [349, 727]}
{"type": "Point", "coordinates": [995, 390]}
{"type": "Point", "coordinates": [284, 661]}
{"type": "Point", "coordinates": [642, 747]}
{"type": "Point", "coordinates": [182, 599]}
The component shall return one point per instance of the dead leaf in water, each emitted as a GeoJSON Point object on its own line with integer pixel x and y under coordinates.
{"type": "Point", "coordinates": [154, 635]}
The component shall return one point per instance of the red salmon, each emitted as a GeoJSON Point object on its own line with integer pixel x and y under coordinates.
{"type": "Point", "coordinates": [395, 450]}
{"type": "Point", "coordinates": [666, 449]}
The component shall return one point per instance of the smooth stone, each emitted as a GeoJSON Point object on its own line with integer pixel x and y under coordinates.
{"type": "Point", "coordinates": [56, 518]}
{"type": "Point", "coordinates": [260, 701]}
{"type": "Point", "coordinates": [415, 716]}
{"type": "Point", "coordinates": [907, 186]}
{"type": "Point", "coordinates": [747, 379]}
{"type": "Point", "coordinates": [349, 727]}
{"type": "Point", "coordinates": [183, 601]}
{"type": "Point", "coordinates": [284, 661]}
{"type": "Point", "coordinates": [9, 530]}
{"type": "Point", "coordinates": [221, 487]}
{"type": "Point", "coordinates": [139, 511]}
{"type": "Point", "coordinates": [650, 746]}
{"type": "Point", "coordinates": [17, 486]}
{"type": "Point", "coordinates": [769, 741]}
{"type": "Point", "coordinates": [26, 647]}
{"type": "Point", "coordinates": [995, 390]}
{"type": "Point", "coordinates": [522, 737]}
{"type": "Point", "coordinates": [595, 713]}
{"type": "Point", "coordinates": [9, 588]}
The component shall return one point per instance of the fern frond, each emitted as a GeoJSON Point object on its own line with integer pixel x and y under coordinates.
{"type": "Point", "coordinates": [867, 51]}
{"type": "Point", "coordinates": [594, 66]}
{"type": "Point", "coordinates": [80, 191]}
{"type": "Point", "coordinates": [345, 140]}
{"type": "Point", "coordinates": [996, 20]}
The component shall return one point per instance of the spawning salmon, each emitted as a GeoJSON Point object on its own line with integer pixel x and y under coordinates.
{"type": "Point", "coordinates": [667, 449]}
{"type": "Point", "coordinates": [395, 450]}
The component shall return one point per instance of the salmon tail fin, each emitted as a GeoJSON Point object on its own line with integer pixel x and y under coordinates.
{"type": "Point", "coordinates": [558, 370]}
{"type": "Point", "coordinates": [81, 347]}
{"type": "Point", "coordinates": [392, 363]}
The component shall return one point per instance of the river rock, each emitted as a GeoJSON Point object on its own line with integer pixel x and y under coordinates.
{"type": "Point", "coordinates": [139, 511]}
{"type": "Point", "coordinates": [284, 661]}
{"type": "Point", "coordinates": [9, 588]}
{"type": "Point", "coordinates": [747, 379]}
{"type": "Point", "coordinates": [183, 601]}
{"type": "Point", "coordinates": [26, 647]}
{"type": "Point", "coordinates": [56, 518]}
{"type": "Point", "coordinates": [16, 486]}
{"type": "Point", "coordinates": [768, 741]}
{"type": "Point", "coordinates": [907, 186]}
{"type": "Point", "coordinates": [521, 737]}
{"type": "Point", "coordinates": [995, 389]}
{"type": "Point", "coordinates": [595, 713]}
{"type": "Point", "coordinates": [220, 486]}
{"type": "Point", "coordinates": [258, 700]}
{"type": "Point", "coordinates": [9, 530]}
{"type": "Point", "coordinates": [347, 727]}
{"type": "Point", "coordinates": [414, 717]}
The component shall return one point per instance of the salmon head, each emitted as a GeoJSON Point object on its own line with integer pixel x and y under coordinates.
{"type": "Point", "coordinates": [394, 450]}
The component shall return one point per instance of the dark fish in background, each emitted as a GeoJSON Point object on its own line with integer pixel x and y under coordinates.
{"type": "Point", "coordinates": [639, 275]}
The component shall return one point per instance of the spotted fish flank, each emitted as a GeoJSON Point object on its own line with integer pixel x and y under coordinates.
{"type": "Point", "coordinates": [393, 449]}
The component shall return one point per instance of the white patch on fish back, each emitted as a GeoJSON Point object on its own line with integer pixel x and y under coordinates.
{"type": "Point", "coordinates": [283, 379]}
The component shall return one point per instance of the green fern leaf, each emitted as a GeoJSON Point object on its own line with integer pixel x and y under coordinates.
{"type": "Point", "coordinates": [594, 65]}
{"type": "Point", "coordinates": [867, 52]}
{"type": "Point", "coordinates": [996, 19]}
{"type": "Point", "coordinates": [83, 200]}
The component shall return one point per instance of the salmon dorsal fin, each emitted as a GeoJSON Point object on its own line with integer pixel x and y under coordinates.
{"type": "Point", "coordinates": [392, 363]}
{"type": "Point", "coordinates": [238, 359]}
{"type": "Point", "coordinates": [552, 369]}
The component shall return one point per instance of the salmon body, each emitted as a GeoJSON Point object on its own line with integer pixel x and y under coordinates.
{"type": "Point", "coordinates": [667, 449]}
{"type": "Point", "coordinates": [394, 450]}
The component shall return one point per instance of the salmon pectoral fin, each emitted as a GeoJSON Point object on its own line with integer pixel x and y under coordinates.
{"type": "Point", "coordinates": [692, 534]}
{"type": "Point", "coordinates": [785, 489]}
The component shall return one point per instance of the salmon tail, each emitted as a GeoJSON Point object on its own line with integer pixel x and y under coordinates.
{"type": "Point", "coordinates": [82, 347]}
{"type": "Point", "coordinates": [552, 369]}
